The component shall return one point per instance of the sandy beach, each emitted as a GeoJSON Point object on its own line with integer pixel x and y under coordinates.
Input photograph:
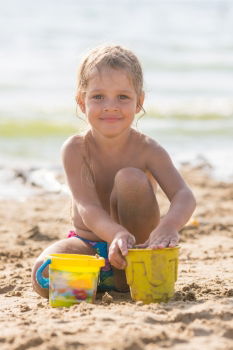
{"type": "Point", "coordinates": [199, 316]}
{"type": "Point", "coordinates": [186, 50]}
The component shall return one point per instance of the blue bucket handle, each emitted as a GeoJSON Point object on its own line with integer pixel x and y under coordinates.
{"type": "Point", "coordinates": [41, 280]}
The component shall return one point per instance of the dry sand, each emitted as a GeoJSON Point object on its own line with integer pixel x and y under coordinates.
{"type": "Point", "coordinates": [199, 317]}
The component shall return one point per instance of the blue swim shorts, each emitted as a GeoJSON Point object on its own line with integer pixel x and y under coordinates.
{"type": "Point", "coordinates": [106, 282]}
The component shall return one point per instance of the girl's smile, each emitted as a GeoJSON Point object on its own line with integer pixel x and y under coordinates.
{"type": "Point", "coordinates": [110, 119]}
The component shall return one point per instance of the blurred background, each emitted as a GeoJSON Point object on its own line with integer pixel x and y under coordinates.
{"type": "Point", "coordinates": [186, 50]}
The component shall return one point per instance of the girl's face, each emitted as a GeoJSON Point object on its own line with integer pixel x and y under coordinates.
{"type": "Point", "coordinates": [110, 102]}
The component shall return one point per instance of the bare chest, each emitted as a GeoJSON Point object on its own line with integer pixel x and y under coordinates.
{"type": "Point", "coordinates": [105, 171]}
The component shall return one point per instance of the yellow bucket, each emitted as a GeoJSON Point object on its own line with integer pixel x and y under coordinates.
{"type": "Point", "coordinates": [151, 274]}
{"type": "Point", "coordinates": [72, 278]}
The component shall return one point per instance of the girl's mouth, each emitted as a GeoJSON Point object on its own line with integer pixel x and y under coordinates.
{"type": "Point", "coordinates": [110, 119]}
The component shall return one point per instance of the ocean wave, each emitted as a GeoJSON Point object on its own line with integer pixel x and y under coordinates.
{"type": "Point", "coordinates": [182, 115]}
{"type": "Point", "coordinates": [35, 128]}
{"type": "Point", "coordinates": [176, 123]}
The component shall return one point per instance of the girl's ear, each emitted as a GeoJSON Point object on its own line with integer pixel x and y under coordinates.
{"type": "Point", "coordinates": [140, 102]}
{"type": "Point", "coordinates": [81, 102]}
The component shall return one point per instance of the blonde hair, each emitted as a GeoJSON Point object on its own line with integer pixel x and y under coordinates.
{"type": "Point", "coordinates": [111, 56]}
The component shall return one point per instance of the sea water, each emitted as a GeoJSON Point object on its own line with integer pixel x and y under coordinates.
{"type": "Point", "coordinates": [186, 49]}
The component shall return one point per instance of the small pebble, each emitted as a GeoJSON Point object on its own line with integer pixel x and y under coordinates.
{"type": "Point", "coordinates": [40, 304]}
{"type": "Point", "coordinates": [107, 298]}
{"type": "Point", "coordinates": [24, 308]}
{"type": "Point", "coordinates": [17, 293]}
{"type": "Point", "coordinates": [18, 265]}
{"type": "Point", "coordinates": [229, 293]}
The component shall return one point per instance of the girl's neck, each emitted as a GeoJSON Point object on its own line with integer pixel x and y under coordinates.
{"type": "Point", "coordinates": [110, 144]}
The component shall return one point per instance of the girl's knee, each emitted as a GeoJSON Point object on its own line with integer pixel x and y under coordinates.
{"type": "Point", "coordinates": [43, 292]}
{"type": "Point", "coordinates": [65, 246]}
{"type": "Point", "coordinates": [131, 177]}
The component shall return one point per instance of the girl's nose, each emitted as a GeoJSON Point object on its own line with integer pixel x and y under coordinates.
{"type": "Point", "coordinates": [111, 106]}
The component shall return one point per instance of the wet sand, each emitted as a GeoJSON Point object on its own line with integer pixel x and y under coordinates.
{"type": "Point", "coordinates": [199, 316]}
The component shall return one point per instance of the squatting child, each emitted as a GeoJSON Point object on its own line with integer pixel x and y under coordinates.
{"type": "Point", "coordinates": [113, 170]}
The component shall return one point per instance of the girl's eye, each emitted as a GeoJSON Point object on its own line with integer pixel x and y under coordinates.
{"type": "Point", "coordinates": [98, 97]}
{"type": "Point", "coordinates": [123, 97]}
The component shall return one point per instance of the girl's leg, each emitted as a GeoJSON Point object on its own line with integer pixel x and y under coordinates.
{"type": "Point", "coordinates": [71, 245]}
{"type": "Point", "coordinates": [133, 205]}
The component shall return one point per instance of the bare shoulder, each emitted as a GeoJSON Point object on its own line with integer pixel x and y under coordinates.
{"type": "Point", "coordinates": [73, 146]}
{"type": "Point", "coordinates": [152, 149]}
{"type": "Point", "coordinates": [150, 143]}
{"type": "Point", "coordinates": [161, 166]}
{"type": "Point", "coordinates": [74, 141]}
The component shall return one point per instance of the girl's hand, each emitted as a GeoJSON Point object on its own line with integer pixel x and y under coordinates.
{"type": "Point", "coordinates": [118, 249]}
{"type": "Point", "coordinates": [161, 238]}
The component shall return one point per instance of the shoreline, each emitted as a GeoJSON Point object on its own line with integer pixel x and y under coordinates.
{"type": "Point", "coordinates": [198, 142]}
{"type": "Point", "coordinates": [23, 181]}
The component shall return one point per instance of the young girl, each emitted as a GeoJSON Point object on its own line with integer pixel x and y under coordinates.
{"type": "Point", "coordinates": [112, 172]}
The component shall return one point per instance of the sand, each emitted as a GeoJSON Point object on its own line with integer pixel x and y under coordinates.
{"type": "Point", "coordinates": [199, 317]}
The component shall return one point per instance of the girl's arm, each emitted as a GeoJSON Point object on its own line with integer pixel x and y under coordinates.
{"type": "Point", "coordinates": [88, 204]}
{"type": "Point", "coordinates": [182, 201]}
